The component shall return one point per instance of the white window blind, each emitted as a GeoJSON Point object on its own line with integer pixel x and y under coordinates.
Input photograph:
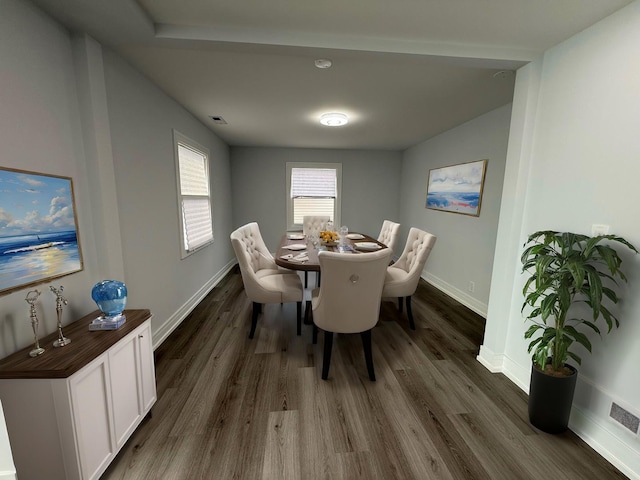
{"type": "Point", "coordinates": [195, 203]}
{"type": "Point", "coordinates": [313, 190]}
{"type": "Point", "coordinates": [313, 182]}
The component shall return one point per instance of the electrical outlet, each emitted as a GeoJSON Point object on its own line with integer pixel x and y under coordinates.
{"type": "Point", "coordinates": [471, 287]}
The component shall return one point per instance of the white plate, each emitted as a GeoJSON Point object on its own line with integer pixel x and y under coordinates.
{"type": "Point", "coordinates": [295, 236]}
{"type": "Point", "coordinates": [367, 246]}
{"type": "Point", "coordinates": [355, 236]}
{"type": "Point", "coordinates": [295, 246]}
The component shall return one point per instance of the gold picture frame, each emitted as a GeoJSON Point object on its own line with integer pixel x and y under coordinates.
{"type": "Point", "coordinates": [39, 238]}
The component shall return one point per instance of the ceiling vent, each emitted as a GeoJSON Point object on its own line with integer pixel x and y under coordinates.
{"type": "Point", "coordinates": [217, 119]}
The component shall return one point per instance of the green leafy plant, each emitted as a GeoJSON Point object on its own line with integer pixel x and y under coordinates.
{"type": "Point", "coordinates": [565, 269]}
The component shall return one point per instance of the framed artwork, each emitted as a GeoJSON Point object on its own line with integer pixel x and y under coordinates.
{"type": "Point", "coordinates": [457, 188]}
{"type": "Point", "coordinates": [38, 229]}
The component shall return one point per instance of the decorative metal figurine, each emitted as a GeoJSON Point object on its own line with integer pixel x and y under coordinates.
{"type": "Point", "coordinates": [31, 298]}
{"type": "Point", "coordinates": [60, 300]}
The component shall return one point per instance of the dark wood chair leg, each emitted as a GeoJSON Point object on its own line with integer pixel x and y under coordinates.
{"type": "Point", "coordinates": [326, 358]}
{"type": "Point", "coordinates": [318, 279]}
{"type": "Point", "coordinates": [299, 318]}
{"type": "Point", "coordinates": [307, 313]}
{"type": "Point", "coordinates": [257, 308]}
{"type": "Point", "coordinates": [368, 357]}
{"type": "Point", "coordinates": [400, 299]}
{"type": "Point", "coordinates": [314, 336]}
{"type": "Point", "coordinates": [306, 279]}
{"type": "Point", "coordinates": [410, 314]}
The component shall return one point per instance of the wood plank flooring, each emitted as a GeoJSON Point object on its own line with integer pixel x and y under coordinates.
{"type": "Point", "coordinates": [233, 408]}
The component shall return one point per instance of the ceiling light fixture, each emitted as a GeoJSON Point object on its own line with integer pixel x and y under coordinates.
{"type": "Point", "coordinates": [334, 119]}
{"type": "Point", "coordinates": [323, 63]}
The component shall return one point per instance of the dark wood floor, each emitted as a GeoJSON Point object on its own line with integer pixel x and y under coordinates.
{"type": "Point", "coordinates": [233, 408]}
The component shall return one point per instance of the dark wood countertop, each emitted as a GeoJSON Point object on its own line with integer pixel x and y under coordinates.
{"type": "Point", "coordinates": [62, 362]}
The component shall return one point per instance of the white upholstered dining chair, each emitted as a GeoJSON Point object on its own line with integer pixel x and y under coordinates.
{"type": "Point", "coordinates": [264, 281]}
{"type": "Point", "coordinates": [389, 234]}
{"type": "Point", "coordinates": [348, 301]}
{"type": "Point", "coordinates": [403, 276]}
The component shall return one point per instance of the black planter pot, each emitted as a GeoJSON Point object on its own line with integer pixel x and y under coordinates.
{"type": "Point", "coordinates": [550, 400]}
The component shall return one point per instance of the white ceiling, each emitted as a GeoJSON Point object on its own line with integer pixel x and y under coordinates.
{"type": "Point", "coordinates": [403, 70]}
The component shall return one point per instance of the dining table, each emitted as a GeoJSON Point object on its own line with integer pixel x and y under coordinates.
{"type": "Point", "coordinates": [297, 251]}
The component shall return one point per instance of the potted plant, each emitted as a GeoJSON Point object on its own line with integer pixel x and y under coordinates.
{"type": "Point", "coordinates": [566, 269]}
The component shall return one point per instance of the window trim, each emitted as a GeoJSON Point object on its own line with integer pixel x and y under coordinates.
{"type": "Point", "coordinates": [181, 139]}
{"type": "Point", "coordinates": [338, 204]}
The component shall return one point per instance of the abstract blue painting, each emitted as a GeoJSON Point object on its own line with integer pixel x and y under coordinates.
{"type": "Point", "coordinates": [38, 229]}
{"type": "Point", "coordinates": [457, 188]}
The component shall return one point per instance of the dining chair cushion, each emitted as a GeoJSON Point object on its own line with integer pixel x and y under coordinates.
{"type": "Point", "coordinates": [278, 288]}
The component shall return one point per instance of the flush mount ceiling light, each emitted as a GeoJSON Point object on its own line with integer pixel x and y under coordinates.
{"type": "Point", "coordinates": [323, 63]}
{"type": "Point", "coordinates": [334, 119]}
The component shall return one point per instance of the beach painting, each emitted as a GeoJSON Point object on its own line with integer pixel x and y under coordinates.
{"type": "Point", "coordinates": [38, 229]}
{"type": "Point", "coordinates": [457, 188]}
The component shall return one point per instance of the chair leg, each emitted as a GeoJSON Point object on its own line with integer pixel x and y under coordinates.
{"type": "Point", "coordinates": [307, 313]}
{"type": "Point", "coordinates": [400, 303]}
{"type": "Point", "coordinates": [326, 358]}
{"type": "Point", "coordinates": [306, 279]}
{"type": "Point", "coordinates": [299, 318]}
{"type": "Point", "coordinates": [318, 279]}
{"type": "Point", "coordinates": [314, 337]}
{"type": "Point", "coordinates": [410, 314]}
{"type": "Point", "coordinates": [368, 357]}
{"type": "Point", "coordinates": [257, 308]}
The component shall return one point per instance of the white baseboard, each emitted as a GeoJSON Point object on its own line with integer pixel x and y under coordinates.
{"type": "Point", "coordinates": [161, 333]}
{"type": "Point", "coordinates": [457, 294]}
{"type": "Point", "coordinates": [491, 361]}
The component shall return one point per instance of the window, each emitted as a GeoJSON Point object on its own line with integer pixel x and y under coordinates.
{"type": "Point", "coordinates": [313, 189]}
{"type": "Point", "coordinates": [194, 201]}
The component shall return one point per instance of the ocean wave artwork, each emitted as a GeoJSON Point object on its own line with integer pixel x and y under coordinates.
{"type": "Point", "coordinates": [38, 231]}
{"type": "Point", "coordinates": [456, 188]}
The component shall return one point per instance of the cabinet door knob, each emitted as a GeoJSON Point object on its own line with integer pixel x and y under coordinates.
{"type": "Point", "coordinates": [140, 336]}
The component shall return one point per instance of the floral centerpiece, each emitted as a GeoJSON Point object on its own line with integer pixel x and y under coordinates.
{"type": "Point", "coordinates": [328, 237]}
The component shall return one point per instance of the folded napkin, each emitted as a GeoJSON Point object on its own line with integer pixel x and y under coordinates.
{"type": "Point", "coordinates": [296, 246]}
{"type": "Point", "coordinates": [300, 258]}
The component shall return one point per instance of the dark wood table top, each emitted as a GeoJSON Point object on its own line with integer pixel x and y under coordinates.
{"type": "Point", "coordinates": [62, 362]}
{"type": "Point", "coordinates": [312, 265]}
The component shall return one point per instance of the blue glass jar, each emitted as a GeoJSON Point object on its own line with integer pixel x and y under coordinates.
{"type": "Point", "coordinates": [110, 296]}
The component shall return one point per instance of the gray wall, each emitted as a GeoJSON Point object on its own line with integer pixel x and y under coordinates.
{"type": "Point", "coordinates": [69, 109]}
{"type": "Point", "coordinates": [40, 131]}
{"type": "Point", "coordinates": [142, 118]}
{"type": "Point", "coordinates": [465, 246]}
{"type": "Point", "coordinates": [370, 187]}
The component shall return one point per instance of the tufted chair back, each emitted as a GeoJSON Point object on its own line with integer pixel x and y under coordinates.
{"type": "Point", "coordinates": [314, 223]}
{"type": "Point", "coordinates": [403, 276]}
{"type": "Point", "coordinates": [389, 234]}
{"type": "Point", "coordinates": [251, 251]}
{"type": "Point", "coordinates": [348, 301]}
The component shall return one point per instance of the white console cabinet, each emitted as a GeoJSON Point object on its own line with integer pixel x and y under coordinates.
{"type": "Point", "coordinates": [70, 410]}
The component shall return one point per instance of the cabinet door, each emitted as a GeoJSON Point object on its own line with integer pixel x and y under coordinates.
{"type": "Point", "coordinates": [123, 365]}
{"type": "Point", "coordinates": [90, 399]}
{"type": "Point", "coordinates": [147, 369]}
